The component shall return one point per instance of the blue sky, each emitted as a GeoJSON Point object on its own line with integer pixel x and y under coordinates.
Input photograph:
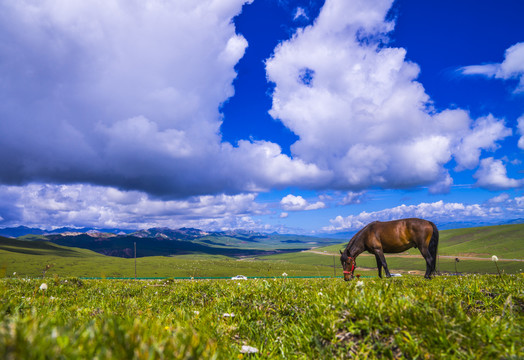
{"type": "Point", "coordinates": [266, 115]}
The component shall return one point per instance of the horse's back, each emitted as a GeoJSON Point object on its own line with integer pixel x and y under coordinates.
{"type": "Point", "coordinates": [400, 235]}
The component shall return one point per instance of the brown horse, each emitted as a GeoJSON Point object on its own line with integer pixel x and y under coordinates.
{"type": "Point", "coordinates": [392, 237]}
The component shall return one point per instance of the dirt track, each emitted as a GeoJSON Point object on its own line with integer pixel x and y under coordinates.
{"type": "Point", "coordinates": [418, 256]}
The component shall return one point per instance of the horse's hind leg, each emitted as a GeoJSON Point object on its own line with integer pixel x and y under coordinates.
{"type": "Point", "coordinates": [430, 266]}
{"type": "Point", "coordinates": [379, 265]}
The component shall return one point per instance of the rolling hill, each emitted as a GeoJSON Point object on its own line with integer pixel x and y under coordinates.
{"type": "Point", "coordinates": [168, 242]}
{"type": "Point", "coordinates": [196, 257]}
{"type": "Point", "coordinates": [506, 241]}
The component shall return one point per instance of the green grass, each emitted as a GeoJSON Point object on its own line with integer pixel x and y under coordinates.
{"type": "Point", "coordinates": [29, 258]}
{"type": "Point", "coordinates": [470, 317]}
{"type": "Point", "coordinates": [367, 264]}
{"type": "Point", "coordinates": [505, 241]}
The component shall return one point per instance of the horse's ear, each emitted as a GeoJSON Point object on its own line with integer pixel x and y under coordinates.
{"type": "Point", "coordinates": [341, 253]}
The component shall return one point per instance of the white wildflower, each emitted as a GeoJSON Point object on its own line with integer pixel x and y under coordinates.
{"type": "Point", "coordinates": [284, 274]}
{"type": "Point", "coordinates": [196, 312]}
{"type": "Point", "coordinates": [320, 293]}
{"type": "Point", "coordinates": [14, 274]}
{"type": "Point", "coordinates": [359, 284]}
{"type": "Point", "coordinates": [228, 315]}
{"type": "Point", "coordinates": [43, 286]}
{"type": "Point", "coordinates": [494, 258]}
{"type": "Point", "coordinates": [246, 349]}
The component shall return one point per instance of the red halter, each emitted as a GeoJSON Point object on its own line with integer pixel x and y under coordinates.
{"type": "Point", "coordinates": [352, 266]}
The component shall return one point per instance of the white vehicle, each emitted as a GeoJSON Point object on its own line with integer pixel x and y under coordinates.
{"type": "Point", "coordinates": [239, 277]}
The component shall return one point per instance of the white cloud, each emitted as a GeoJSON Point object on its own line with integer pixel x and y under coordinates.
{"type": "Point", "coordinates": [359, 111]}
{"type": "Point", "coordinates": [502, 198]}
{"type": "Point", "coordinates": [298, 203]}
{"type": "Point", "coordinates": [484, 134]}
{"type": "Point", "coordinates": [127, 94]}
{"type": "Point", "coordinates": [520, 126]}
{"type": "Point", "coordinates": [492, 175]}
{"type": "Point", "coordinates": [443, 186]}
{"type": "Point", "coordinates": [353, 198]}
{"type": "Point", "coordinates": [300, 13]}
{"type": "Point", "coordinates": [520, 202]}
{"type": "Point", "coordinates": [502, 208]}
{"type": "Point", "coordinates": [87, 205]}
{"type": "Point", "coordinates": [511, 68]}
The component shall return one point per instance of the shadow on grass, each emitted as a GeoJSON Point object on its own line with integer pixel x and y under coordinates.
{"type": "Point", "coordinates": [35, 248]}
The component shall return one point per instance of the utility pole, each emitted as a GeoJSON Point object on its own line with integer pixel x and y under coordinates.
{"type": "Point", "coordinates": [135, 260]}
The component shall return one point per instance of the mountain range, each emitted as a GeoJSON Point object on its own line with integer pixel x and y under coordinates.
{"type": "Point", "coordinates": [167, 242]}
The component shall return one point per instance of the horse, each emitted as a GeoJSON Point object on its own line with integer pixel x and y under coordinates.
{"type": "Point", "coordinates": [392, 237]}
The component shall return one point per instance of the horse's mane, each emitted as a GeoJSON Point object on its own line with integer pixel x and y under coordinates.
{"type": "Point", "coordinates": [358, 235]}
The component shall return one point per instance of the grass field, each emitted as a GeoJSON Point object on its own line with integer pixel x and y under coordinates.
{"type": "Point", "coordinates": [30, 258]}
{"type": "Point", "coordinates": [469, 317]}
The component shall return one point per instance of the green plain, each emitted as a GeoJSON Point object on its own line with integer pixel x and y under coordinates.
{"type": "Point", "coordinates": [31, 258]}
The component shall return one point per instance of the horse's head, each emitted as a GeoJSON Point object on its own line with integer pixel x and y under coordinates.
{"type": "Point", "coordinates": [348, 265]}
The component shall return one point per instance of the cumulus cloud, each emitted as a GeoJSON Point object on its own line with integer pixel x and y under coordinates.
{"type": "Point", "coordinates": [358, 110]}
{"type": "Point", "coordinates": [486, 131]}
{"type": "Point", "coordinates": [88, 205]}
{"type": "Point", "coordinates": [127, 94]}
{"type": "Point", "coordinates": [298, 203]}
{"type": "Point", "coordinates": [492, 175]}
{"type": "Point", "coordinates": [511, 68]}
{"type": "Point", "coordinates": [501, 207]}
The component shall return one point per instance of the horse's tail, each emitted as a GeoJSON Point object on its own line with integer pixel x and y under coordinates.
{"type": "Point", "coordinates": [433, 246]}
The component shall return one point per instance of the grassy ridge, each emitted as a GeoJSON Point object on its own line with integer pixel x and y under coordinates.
{"type": "Point", "coordinates": [472, 317]}
{"type": "Point", "coordinates": [505, 241]}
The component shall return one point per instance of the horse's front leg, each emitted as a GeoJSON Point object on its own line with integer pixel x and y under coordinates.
{"type": "Point", "coordinates": [379, 254]}
{"type": "Point", "coordinates": [379, 265]}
